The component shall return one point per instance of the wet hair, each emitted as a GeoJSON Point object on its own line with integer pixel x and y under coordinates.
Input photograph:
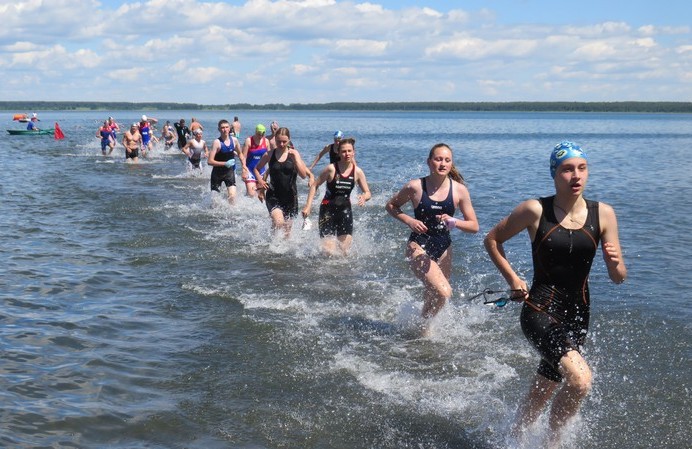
{"type": "Point", "coordinates": [453, 172]}
{"type": "Point", "coordinates": [223, 121]}
{"type": "Point", "coordinates": [346, 140]}
{"type": "Point", "coordinates": [283, 131]}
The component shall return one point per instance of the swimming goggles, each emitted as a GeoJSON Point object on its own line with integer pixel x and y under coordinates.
{"type": "Point", "coordinates": [505, 296]}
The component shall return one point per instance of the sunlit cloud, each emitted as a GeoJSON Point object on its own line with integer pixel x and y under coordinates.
{"type": "Point", "coordinates": [287, 50]}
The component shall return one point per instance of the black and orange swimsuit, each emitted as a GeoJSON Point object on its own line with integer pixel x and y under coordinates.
{"type": "Point", "coordinates": [555, 317]}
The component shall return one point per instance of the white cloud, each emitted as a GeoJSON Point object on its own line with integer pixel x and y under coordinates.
{"type": "Point", "coordinates": [594, 51]}
{"type": "Point", "coordinates": [475, 48]}
{"type": "Point", "coordinates": [358, 47]}
{"type": "Point", "coordinates": [132, 75]}
{"type": "Point", "coordinates": [355, 50]}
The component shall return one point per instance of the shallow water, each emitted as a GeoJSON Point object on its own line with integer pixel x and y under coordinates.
{"type": "Point", "coordinates": [141, 311]}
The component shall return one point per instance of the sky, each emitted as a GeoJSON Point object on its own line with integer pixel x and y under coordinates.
{"type": "Point", "coordinates": [321, 51]}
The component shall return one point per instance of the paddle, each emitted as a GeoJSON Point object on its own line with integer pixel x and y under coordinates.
{"type": "Point", "coordinates": [58, 132]}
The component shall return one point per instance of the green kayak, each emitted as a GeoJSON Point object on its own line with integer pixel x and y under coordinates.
{"type": "Point", "coordinates": [26, 132]}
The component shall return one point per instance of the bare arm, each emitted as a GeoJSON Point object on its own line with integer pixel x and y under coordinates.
{"type": "Point", "coordinates": [246, 147]}
{"type": "Point", "coordinates": [524, 216]}
{"type": "Point", "coordinates": [469, 222]}
{"type": "Point", "coordinates": [261, 183]}
{"type": "Point", "coordinates": [363, 184]}
{"type": "Point", "coordinates": [241, 156]}
{"type": "Point", "coordinates": [610, 244]}
{"type": "Point", "coordinates": [211, 159]}
{"type": "Point", "coordinates": [303, 170]}
{"type": "Point", "coordinates": [408, 193]}
{"type": "Point", "coordinates": [186, 149]}
{"type": "Point", "coordinates": [319, 156]}
{"type": "Point", "coordinates": [327, 174]}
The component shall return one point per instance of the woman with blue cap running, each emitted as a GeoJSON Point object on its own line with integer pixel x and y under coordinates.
{"type": "Point", "coordinates": [565, 230]}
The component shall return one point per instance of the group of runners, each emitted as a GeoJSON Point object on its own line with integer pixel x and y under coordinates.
{"type": "Point", "coordinates": [565, 230]}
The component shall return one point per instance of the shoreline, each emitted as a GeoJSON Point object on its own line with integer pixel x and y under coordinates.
{"type": "Point", "coordinates": [433, 106]}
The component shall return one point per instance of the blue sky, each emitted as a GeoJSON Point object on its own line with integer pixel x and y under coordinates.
{"type": "Point", "coordinates": [316, 51]}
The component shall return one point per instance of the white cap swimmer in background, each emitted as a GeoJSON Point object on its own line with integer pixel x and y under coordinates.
{"type": "Point", "coordinates": [563, 151]}
{"type": "Point", "coordinates": [144, 118]}
{"type": "Point", "coordinates": [338, 135]}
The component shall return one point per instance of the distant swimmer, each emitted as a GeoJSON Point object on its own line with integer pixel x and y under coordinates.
{"type": "Point", "coordinates": [236, 127]}
{"type": "Point", "coordinates": [281, 193]}
{"type": "Point", "coordinates": [195, 149]}
{"type": "Point", "coordinates": [254, 148]}
{"type": "Point", "coordinates": [335, 215]}
{"type": "Point", "coordinates": [195, 125]}
{"type": "Point", "coordinates": [565, 230]}
{"type": "Point", "coordinates": [115, 128]}
{"type": "Point", "coordinates": [106, 135]}
{"type": "Point", "coordinates": [435, 199]}
{"type": "Point", "coordinates": [332, 149]}
{"type": "Point", "coordinates": [222, 158]}
{"type": "Point", "coordinates": [148, 137]}
{"type": "Point", "coordinates": [167, 135]}
{"type": "Point", "coordinates": [183, 133]}
{"type": "Point", "coordinates": [132, 141]}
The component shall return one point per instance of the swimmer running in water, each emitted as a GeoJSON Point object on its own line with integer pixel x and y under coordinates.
{"type": "Point", "coordinates": [335, 215]}
{"type": "Point", "coordinates": [255, 147]}
{"type": "Point", "coordinates": [435, 199]}
{"type": "Point", "coordinates": [564, 230]}
{"type": "Point", "coordinates": [281, 193]}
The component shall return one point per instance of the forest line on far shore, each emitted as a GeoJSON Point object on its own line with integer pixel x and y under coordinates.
{"type": "Point", "coordinates": [430, 106]}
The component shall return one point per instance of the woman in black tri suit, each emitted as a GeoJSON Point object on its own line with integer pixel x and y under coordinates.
{"type": "Point", "coordinates": [281, 193]}
{"type": "Point", "coordinates": [335, 215]}
{"type": "Point", "coordinates": [565, 230]}
{"type": "Point", "coordinates": [434, 199]}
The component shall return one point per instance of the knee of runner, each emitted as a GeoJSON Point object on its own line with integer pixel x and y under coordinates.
{"type": "Point", "coordinates": [580, 381]}
{"type": "Point", "coordinates": [444, 291]}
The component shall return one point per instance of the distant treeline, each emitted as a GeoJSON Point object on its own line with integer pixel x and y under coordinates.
{"type": "Point", "coordinates": [511, 106]}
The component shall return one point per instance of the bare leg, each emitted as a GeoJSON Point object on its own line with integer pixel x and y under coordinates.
{"type": "Point", "coordinates": [288, 226]}
{"type": "Point", "coordinates": [568, 399]}
{"type": "Point", "coordinates": [345, 243]}
{"type": "Point", "coordinates": [251, 189]}
{"type": "Point", "coordinates": [277, 217]}
{"type": "Point", "coordinates": [231, 195]}
{"type": "Point", "coordinates": [539, 394]}
{"type": "Point", "coordinates": [435, 278]}
{"type": "Point", "coordinates": [329, 245]}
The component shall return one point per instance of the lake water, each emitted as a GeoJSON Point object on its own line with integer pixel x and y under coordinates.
{"type": "Point", "coordinates": [140, 311]}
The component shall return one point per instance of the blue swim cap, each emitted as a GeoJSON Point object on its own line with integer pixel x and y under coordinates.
{"type": "Point", "coordinates": [338, 135]}
{"type": "Point", "coordinates": [563, 151]}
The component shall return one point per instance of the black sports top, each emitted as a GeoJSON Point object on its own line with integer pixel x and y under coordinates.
{"type": "Point", "coordinates": [562, 259]}
{"type": "Point", "coordinates": [339, 189]}
{"type": "Point", "coordinates": [282, 176]}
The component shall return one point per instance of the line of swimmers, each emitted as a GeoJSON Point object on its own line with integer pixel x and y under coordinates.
{"type": "Point", "coordinates": [565, 230]}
